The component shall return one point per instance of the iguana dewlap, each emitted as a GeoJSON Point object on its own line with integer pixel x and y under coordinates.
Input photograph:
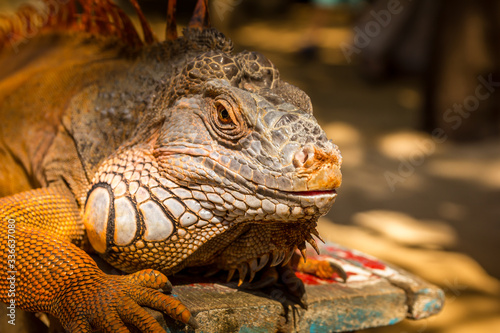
{"type": "Point", "coordinates": [162, 156]}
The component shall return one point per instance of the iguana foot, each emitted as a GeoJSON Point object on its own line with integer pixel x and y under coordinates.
{"type": "Point", "coordinates": [113, 303]}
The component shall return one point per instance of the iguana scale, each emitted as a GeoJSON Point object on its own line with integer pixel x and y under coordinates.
{"type": "Point", "coordinates": [159, 155]}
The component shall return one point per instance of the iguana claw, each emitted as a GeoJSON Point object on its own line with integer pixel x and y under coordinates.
{"type": "Point", "coordinates": [110, 303]}
{"type": "Point", "coordinates": [323, 269]}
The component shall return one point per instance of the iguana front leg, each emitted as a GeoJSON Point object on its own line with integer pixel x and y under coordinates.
{"type": "Point", "coordinates": [41, 270]}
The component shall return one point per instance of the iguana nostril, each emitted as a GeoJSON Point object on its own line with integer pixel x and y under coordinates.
{"type": "Point", "coordinates": [304, 157]}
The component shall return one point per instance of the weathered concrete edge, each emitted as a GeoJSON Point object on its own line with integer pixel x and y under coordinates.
{"type": "Point", "coordinates": [332, 308]}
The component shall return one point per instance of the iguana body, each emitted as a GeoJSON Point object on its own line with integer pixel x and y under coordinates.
{"type": "Point", "coordinates": [165, 156]}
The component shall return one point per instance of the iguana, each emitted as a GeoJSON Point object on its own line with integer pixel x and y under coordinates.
{"type": "Point", "coordinates": [156, 155]}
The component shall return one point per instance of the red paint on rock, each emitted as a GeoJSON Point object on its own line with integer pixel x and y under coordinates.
{"type": "Point", "coordinates": [314, 280]}
{"type": "Point", "coordinates": [308, 278]}
{"type": "Point", "coordinates": [366, 262]}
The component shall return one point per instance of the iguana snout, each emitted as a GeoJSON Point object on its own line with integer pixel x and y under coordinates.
{"type": "Point", "coordinates": [322, 171]}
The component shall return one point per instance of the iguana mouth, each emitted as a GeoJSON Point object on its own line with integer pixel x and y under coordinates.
{"type": "Point", "coordinates": [316, 181]}
{"type": "Point", "coordinates": [332, 193]}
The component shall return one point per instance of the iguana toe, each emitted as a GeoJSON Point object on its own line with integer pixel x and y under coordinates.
{"type": "Point", "coordinates": [323, 269]}
{"type": "Point", "coordinates": [113, 303]}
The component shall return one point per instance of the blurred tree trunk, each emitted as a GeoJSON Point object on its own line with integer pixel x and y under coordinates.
{"type": "Point", "coordinates": [463, 81]}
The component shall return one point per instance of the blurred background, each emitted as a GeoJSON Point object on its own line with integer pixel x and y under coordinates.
{"type": "Point", "coordinates": [409, 91]}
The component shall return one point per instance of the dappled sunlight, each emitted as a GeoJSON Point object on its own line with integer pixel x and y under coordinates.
{"type": "Point", "coordinates": [491, 177]}
{"type": "Point", "coordinates": [474, 313]}
{"type": "Point", "coordinates": [277, 39]}
{"type": "Point", "coordinates": [286, 38]}
{"type": "Point", "coordinates": [456, 169]}
{"type": "Point", "coordinates": [486, 173]}
{"type": "Point", "coordinates": [407, 230]}
{"type": "Point", "coordinates": [485, 325]}
{"type": "Point", "coordinates": [407, 145]}
{"type": "Point", "coordinates": [282, 36]}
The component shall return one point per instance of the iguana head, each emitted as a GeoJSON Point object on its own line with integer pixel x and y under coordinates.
{"type": "Point", "coordinates": [236, 173]}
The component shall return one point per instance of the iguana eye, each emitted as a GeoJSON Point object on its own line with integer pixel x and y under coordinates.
{"type": "Point", "coordinates": [223, 114]}
{"type": "Point", "coordinates": [224, 117]}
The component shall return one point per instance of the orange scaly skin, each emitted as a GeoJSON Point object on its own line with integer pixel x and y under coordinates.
{"type": "Point", "coordinates": [54, 276]}
{"type": "Point", "coordinates": [51, 210]}
{"type": "Point", "coordinates": [159, 155]}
